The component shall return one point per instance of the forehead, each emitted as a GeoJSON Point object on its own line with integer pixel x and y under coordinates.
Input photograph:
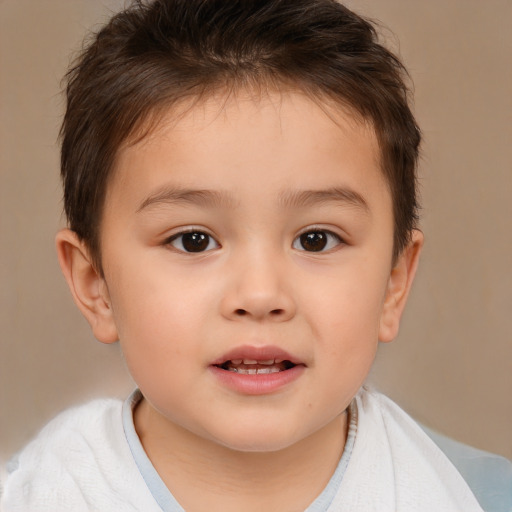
{"type": "Point", "coordinates": [217, 141]}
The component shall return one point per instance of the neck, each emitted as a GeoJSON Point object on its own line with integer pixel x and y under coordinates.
{"type": "Point", "coordinates": [234, 480]}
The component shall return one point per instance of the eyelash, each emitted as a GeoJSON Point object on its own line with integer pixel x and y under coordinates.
{"type": "Point", "coordinates": [327, 241]}
{"type": "Point", "coordinates": [331, 240]}
{"type": "Point", "coordinates": [178, 237]}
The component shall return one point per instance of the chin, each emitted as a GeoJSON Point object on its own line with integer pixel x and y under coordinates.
{"type": "Point", "coordinates": [259, 439]}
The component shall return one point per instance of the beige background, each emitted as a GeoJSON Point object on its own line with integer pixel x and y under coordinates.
{"type": "Point", "coordinates": [450, 367]}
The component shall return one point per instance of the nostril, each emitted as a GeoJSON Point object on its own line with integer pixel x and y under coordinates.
{"type": "Point", "coordinates": [272, 313]}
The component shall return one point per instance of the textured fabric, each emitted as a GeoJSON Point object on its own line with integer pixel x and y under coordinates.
{"type": "Point", "coordinates": [396, 467]}
{"type": "Point", "coordinates": [489, 476]}
{"type": "Point", "coordinates": [82, 461]}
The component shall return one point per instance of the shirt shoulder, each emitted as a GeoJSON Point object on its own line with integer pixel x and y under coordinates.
{"type": "Point", "coordinates": [76, 432]}
{"type": "Point", "coordinates": [395, 466]}
{"type": "Point", "coordinates": [488, 475]}
{"type": "Point", "coordinates": [79, 461]}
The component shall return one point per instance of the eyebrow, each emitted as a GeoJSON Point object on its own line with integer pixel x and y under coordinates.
{"type": "Point", "coordinates": [176, 195]}
{"type": "Point", "coordinates": [290, 199]}
{"type": "Point", "coordinates": [341, 195]}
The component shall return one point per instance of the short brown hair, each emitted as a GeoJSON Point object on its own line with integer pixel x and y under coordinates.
{"type": "Point", "coordinates": [156, 53]}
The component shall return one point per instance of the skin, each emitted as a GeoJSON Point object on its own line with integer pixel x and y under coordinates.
{"type": "Point", "coordinates": [263, 161]}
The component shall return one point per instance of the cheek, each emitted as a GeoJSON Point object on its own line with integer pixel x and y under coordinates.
{"type": "Point", "coordinates": [348, 304]}
{"type": "Point", "coordinates": [161, 314]}
{"type": "Point", "coordinates": [159, 335]}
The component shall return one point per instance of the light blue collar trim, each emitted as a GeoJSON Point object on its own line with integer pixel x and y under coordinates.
{"type": "Point", "coordinates": [155, 484]}
{"type": "Point", "coordinates": [324, 500]}
{"type": "Point", "coordinates": [166, 500]}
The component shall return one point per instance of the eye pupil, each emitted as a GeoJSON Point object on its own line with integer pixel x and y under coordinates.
{"type": "Point", "coordinates": [195, 242]}
{"type": "Point", "coordinates": [313, 241]}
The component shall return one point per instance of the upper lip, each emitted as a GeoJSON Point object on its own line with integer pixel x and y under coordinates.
{"type": "Point", "coordinates": [261, 353]}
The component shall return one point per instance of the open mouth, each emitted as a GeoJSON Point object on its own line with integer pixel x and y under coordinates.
{"type": "Point", "coordinates": [256, 367]}
{"type": "Point", "coordinates": [250, 370]}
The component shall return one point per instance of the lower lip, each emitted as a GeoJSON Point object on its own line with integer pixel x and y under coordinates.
{"type": "Point", "coordinates": [258, 384]}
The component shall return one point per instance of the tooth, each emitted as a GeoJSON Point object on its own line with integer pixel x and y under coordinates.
{"type": "Point", "coordinates": [236, 361]}
{"type": "Point", "coordinates": [277, 361]}
{"type": "Point", "coordinates": [250, 361]}
{"type": "Point", "coordinates": [231, 369]}
{"type": "Point", "coordinates": [251, 371]}
{"type": "Point", "coordinates": [267, 370]}
{"type": "Point", "coordinates": [268, 362]}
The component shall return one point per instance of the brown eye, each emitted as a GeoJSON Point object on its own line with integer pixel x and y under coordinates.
{"type": "Point", "coordinates": [193, 241]}
{"type": "Point", "coordinates": [316, 241]}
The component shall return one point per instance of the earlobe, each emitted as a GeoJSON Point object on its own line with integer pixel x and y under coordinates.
{"type": "Point", "coordinates": [88, 288]}
{"type": "Point", "coordinates": [399, 285]}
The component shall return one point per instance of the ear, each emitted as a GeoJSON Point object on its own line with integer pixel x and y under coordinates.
{"type": "Point", "coordinates": [88, 288]}
{"type": "Point", "coordinates": [399, 285]}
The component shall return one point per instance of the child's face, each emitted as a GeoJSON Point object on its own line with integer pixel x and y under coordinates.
{"type": "Point", "coordinates": [287, 255]}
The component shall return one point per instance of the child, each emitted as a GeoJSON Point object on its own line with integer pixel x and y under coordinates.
{"type": "Point", "coordinates": [239, 180]}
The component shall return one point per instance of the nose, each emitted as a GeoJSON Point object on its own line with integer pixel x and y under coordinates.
{"type": "Point", "coordinates": [259, 289]}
